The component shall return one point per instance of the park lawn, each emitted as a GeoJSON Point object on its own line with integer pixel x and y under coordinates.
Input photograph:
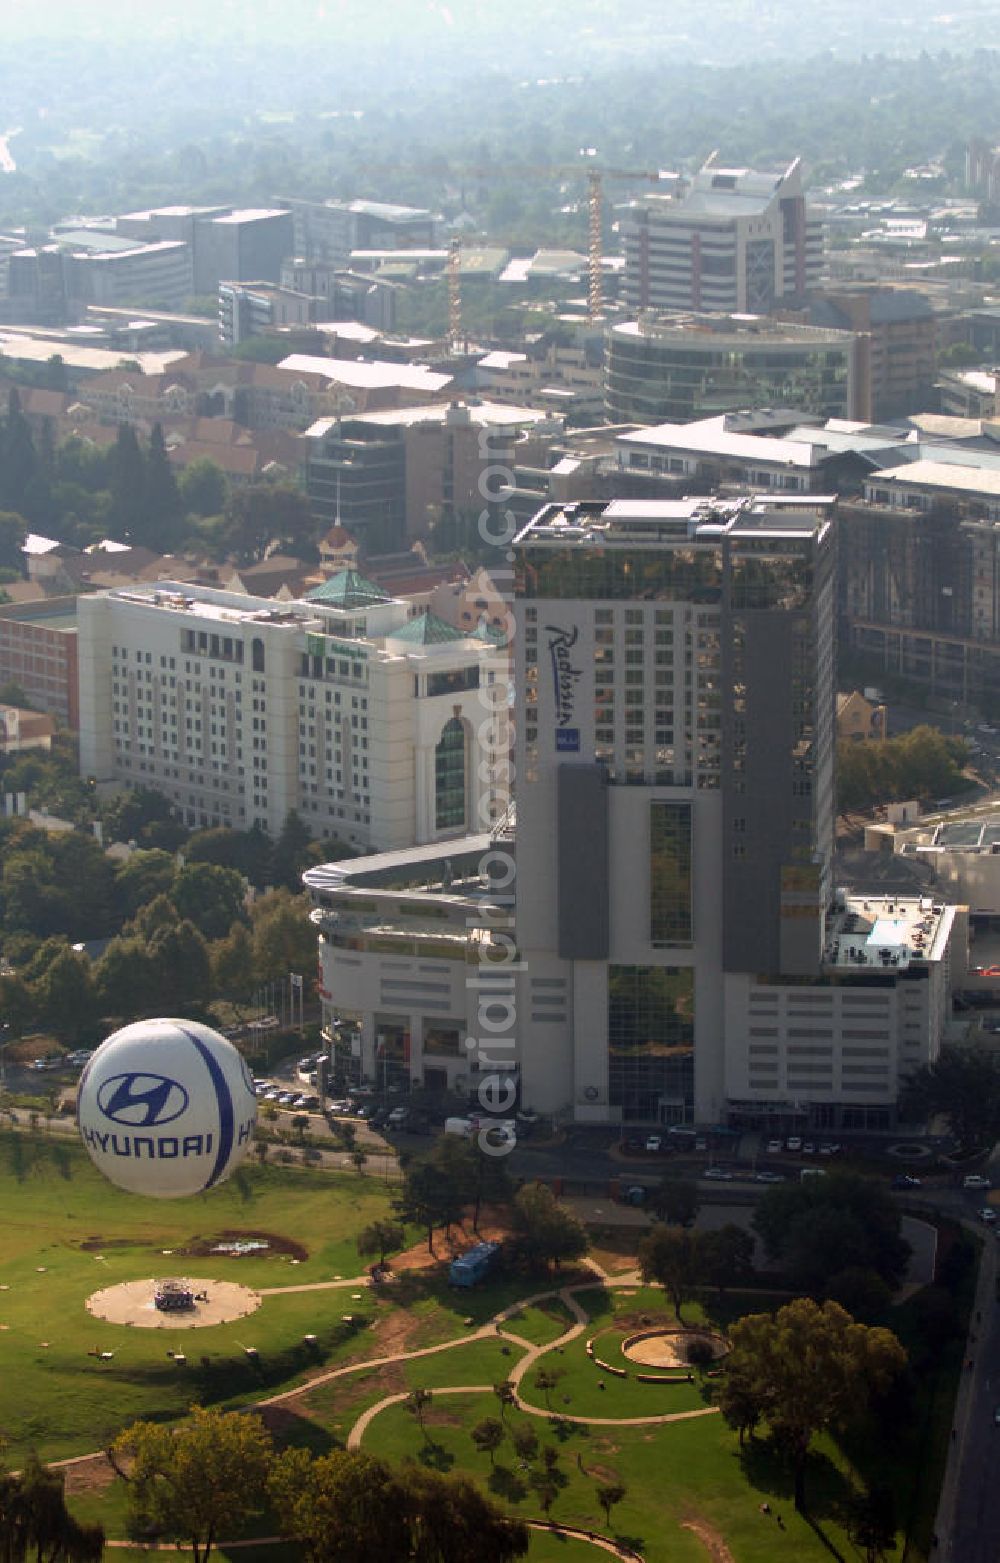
{"type": "Point", "coordinates": [60, 1400]}
{"type": "Point", "coordinates": [543, 1322]}
{"type": "Point", "coordinates": [579, 1392]}
{"type": "Point", "coordinates": [677, 1472]}
{"type": "Point", "coordinates": [480, 1362]}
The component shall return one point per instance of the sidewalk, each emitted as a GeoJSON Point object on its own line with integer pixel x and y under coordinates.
{"type": "Point", "coordinates": [983, 1304]}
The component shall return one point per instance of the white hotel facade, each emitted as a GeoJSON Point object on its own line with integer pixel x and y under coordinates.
{"type": "Point", "coordinates": [682, 953]}
{"type": "Point", "coordinates": [238, 709]}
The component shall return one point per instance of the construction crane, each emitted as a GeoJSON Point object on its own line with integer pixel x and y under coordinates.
{"type": "Point", "coordinates": [595, 221]}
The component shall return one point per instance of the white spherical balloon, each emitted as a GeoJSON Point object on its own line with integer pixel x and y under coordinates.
{"type": "Point", "coordinates": [166, 1108]}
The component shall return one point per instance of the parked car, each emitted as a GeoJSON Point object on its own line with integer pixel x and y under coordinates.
{"type": "Point", "coordinates": [769, 1177]}
{"type": "Point", "coordinates": [701, 1144]}
{"type": "Point", "coordinates": [633, 1144]}
{"type": "Point", "coordinates": [904, 1180]}
{"type": "Point", "coordinates": [286, 1099]}
{"type": "Point", "coordinates": [988, 1215]}
{"type": "Point", "coordinates": [793, 1143]}
{"type": "Point", "coordinates": [829, 1148]}
{"type": "Point", "coordinates": [635, 1194]}
{"type": "Point", "coordinates": [719, 1174]}
{"type": "Point", "coordinates": [975, 1180]}
{"type": "Point", "coordinates": [654, 1144]}
{"type": "Point", "coordinates": [773, 1147]}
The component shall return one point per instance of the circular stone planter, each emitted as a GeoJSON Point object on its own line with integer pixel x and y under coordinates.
{"type": "Point", "coordinates": [132, 1302]}
{"type": "Point", "coordinates": [667, 1348]}
{"type": "Point", "coordinates": [906, 1150]}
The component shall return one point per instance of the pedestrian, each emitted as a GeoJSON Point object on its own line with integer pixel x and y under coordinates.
{"type": "Point", "coordinates": [781, 1523]}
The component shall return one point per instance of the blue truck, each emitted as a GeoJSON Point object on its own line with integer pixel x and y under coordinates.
{"type": "Point", "coordinates": [473, 1266]}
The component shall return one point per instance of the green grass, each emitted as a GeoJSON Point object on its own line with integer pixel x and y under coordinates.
{"type": "Point", "coordinates": [690, 1470]}
{"type": "Point", "coordinates": [60, 1215]}
{"type": "Point", "coordinates": [542, 1323]}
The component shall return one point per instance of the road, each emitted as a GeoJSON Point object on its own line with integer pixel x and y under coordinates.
{"type": "Point", "coordinates": [968, 1523]}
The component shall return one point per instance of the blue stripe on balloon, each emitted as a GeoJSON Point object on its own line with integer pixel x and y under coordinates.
{"type": "Point", "coordinates": [223, 1096]}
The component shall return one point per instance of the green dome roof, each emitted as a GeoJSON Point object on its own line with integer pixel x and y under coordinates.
{"type": "Point", "coordinates": [348, 589]}
{"type": "Point", "coordinates": [428, 630]}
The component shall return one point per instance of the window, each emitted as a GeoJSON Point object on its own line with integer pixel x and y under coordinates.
{"type": "Point", "coordinates": [651, 1041]}
{"type": "Point", "coordinates": [449, 777]}
{"type": "Point", "coordinates": [670, 873]}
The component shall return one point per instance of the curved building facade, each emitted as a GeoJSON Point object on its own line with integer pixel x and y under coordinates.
{"type": "Point", "coordinates": [664, 368]}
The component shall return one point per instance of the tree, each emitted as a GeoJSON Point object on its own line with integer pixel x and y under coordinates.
{"type": "Point", "coordinates": [344, 1507]}
{"type": "Point", "coordinates": [451, 1521]}
{"type": "Point", "coordinates": [821, 1227]}
{"type": "Point", "coordinates": [862, 1292]}
{"type": "Point", "coordinates": [871, 1522]}
{"type": "Point", "coordinates": [233, 974]}
{"type": "Point", "coordinates": [807, 1369]}
{"type": "Point", "coordinates": [546, 1380]}
{"type": "Point", "coordinates": [284, 939]}
{"type": "Point", "coordinates": [544, 1488]}
{"type": "Point", "coordinates": [676, 1200]}
{"type": "Point", "coordinates": [248, 851]}
{"type": "Point", "coordinates": [726, 1256]}
{"type": "Point", "coordinates": [507, 1396]}
{"type": "Point", "coordinates": [963, 1086]}
{"type": "Point", "coordinates": [18, 459]}
{"type": "Point", "coordinates": [378, 1237]}
{"type": "Point", "coordinates": [209, 897]}
{"type": "Point", "coordinates": [429, 1198]}
{"type": "Point", "coordinates": [161, 499]}
{"type": "Point", "coordinates": [127, 979]}
{"type": "Point", "coordinates": [525, 1441]}
{"type": "Point", "coordinates": [672, 1257]}
{"type": "Point", "coordinates": [181, 962]}
{"type": "Point", "coordinates": [141, 878]}
{"type": "Point", "coordinates": [545, 1233]}
{"type": "Point", "coordinates": [359, 1158]}
{"type": "Point", "coordinates": [127, 483]}
{"type": "Point", "coordinates": [203, 488]}
{"type": "Point", "coordinates": [608, 1494]}
{"type": "Point", "coordinates": [291, 852]}
{"type": "Point", "coordinates": [66, 996]}
{"type": "Point", "coordinates": [417, 1404]}
{"type": "Point", "coordinates": [13, 531]}
{"type": "Point", "coordinates": [155, 917]}
{"type": "Point", "coordinates": [200, 1479]}
{"type": "Point", "coordinates": [33, 1515]}
{"type": "Point", "coordinates": [262, 513]}
{"type": "Point", "coordinates": [487, 1436]}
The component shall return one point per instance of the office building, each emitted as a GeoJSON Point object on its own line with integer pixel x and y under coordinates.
{"type": "Point", "coordinates": [38, 653]}
{"type": "Point", "coordinates": [665, 368]}
{"type": "Point", "coordinates": [246, 245]}
{"type": "Point", "coordinates": [330, 230]}
{"type": "Point", "coordinates": [388, 477]}
{"type": "Point", "coordinates": [682, 954]}
{"type": "Point", "coordinates": [736, 239]}
{"type": "Point", "coordinates": [249, 309]}
{"type": "Point", "coordinates": [239, 708]}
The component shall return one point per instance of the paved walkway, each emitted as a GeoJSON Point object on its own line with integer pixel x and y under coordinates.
{"type": "Point", "coordinates": [566, 1295]}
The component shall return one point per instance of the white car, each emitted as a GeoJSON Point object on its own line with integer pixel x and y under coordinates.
{"type": "Point", "coordinates": [987, 1215]}
{"type": "Point", "coordinates": [793, 1143]}
{"type": "Point", "coordinates": [773, 1147]}
{"type": "Point", "coordinates": [654, 1144]}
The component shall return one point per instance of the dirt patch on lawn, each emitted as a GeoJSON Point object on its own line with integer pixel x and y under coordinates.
{"type": "Point", "coordinates": [710, 1540]}
{"type": "Point", "coordinates": [230, 1245]}
{"type": "Point", "coordinates": [89, 1476]}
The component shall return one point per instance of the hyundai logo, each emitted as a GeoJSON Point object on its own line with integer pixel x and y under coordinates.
{"type": "Point", "coordinates": [141, 1100]}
